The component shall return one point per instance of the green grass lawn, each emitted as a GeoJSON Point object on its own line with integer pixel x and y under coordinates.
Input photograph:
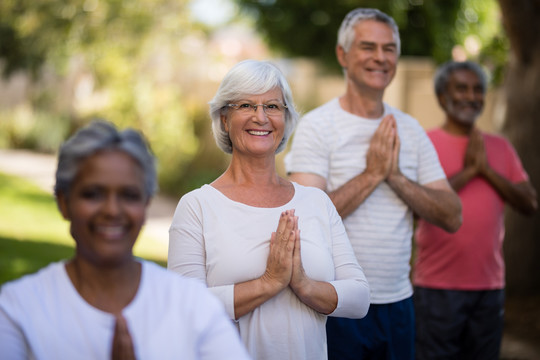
{"type": "Point", "coordinates": [33, 233]}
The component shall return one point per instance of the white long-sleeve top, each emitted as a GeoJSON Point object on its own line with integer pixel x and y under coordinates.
{"type": "Point", "coordinates": [42, 316]}
{"type": "Point", "coordinates": [222, 242]}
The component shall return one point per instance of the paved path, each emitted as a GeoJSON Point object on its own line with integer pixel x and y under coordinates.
{"type": "Point", "coordinates": [40, 169]}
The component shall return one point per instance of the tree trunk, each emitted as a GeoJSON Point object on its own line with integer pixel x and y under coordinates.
{"type": "Point", "coordinates": [522, 127]}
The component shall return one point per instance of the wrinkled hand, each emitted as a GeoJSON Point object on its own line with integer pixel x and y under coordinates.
{"type": "Point", "coordinates": [279, 265]}
{"type": "Point", "coordinates": [379, 157]}
{"type": "Point", "coordinates": [475, 155]}
{"type": "Point", "coordinates": [122, 346]}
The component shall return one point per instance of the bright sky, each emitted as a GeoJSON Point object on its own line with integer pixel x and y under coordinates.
{"type": "Point", "coordinates": [212, 12]}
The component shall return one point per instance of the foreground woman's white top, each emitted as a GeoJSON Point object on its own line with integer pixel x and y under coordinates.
{"type": "Point", "coordinates": [42, 316]}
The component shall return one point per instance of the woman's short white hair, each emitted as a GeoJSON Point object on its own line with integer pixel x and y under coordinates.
{"type": "Point", "coordinates": [250, 77]}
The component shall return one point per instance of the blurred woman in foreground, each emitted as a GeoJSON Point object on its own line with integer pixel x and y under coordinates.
{"type": "Point", "coordinates": [276, 253]}
{"type": "Point", "coordinates": [104, 303]}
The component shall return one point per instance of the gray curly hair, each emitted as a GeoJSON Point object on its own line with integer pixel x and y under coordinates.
{"type": "Point", "coordinates": [444, 71]}
{"type": "Point", "coordinates": [102, 135]}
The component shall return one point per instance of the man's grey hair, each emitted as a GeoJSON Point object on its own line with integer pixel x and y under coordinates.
{"type": "Point", "coordinates": [247, 78]}
{"type": "Point", "coordinates": [444, 71]}
{"type": "Point", "coordinates": [97, 136]}
{"type": "Point", "coordinates": [346, 32]}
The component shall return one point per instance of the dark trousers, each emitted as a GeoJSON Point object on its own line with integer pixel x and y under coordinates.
{"type": "Point", "coordinates": [386, 333]}
{"type": "Point", "coordinates": [455, 324]}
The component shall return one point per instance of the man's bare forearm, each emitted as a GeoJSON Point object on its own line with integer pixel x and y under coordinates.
{"type": "Point", "coordinates": [436, 202]}
{"type": "Point", "coordinates": [353, 193]}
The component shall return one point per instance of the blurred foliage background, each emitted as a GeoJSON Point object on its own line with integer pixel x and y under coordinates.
{"type": "Point", "coordinates": [427, 28]}
{"type": "Point", "coordinates": [154, 64]}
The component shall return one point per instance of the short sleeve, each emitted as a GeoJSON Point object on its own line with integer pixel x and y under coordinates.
{"type": "Point", "coordinates": [429, 166]}
{"type": "Point", "coordinates": [309, 150]}
{"type": "Point", "coordinates": [516, 173]}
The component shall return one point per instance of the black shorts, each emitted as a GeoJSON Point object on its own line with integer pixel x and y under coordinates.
{"type": "Point", "coordinates": [456, 324]}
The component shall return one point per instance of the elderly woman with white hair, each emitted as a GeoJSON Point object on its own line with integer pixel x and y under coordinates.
{"type": "Point", "coordinates": [276, 253]}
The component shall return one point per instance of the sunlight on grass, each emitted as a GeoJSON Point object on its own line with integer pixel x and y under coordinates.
{"type": "Point", "coordinates": [30, 214]}
{"type": "Point", "coordinates": [33, 233]}
{"type": "Point", "coordinates": [148, 246]}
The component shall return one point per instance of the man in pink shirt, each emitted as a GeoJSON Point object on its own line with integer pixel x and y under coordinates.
{"type": "Point", "coordinates": [459, 277]}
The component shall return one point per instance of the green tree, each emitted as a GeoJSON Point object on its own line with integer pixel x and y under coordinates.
{"type": "Point", "coordinates": [427, 28]}
{"type": "Point", "coordinates": [33, 32]}
{"type": "Point", "coordinates": [121, 57]}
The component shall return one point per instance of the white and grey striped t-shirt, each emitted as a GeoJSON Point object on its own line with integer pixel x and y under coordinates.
{"type": "Point", "coordinates": [332, 143]}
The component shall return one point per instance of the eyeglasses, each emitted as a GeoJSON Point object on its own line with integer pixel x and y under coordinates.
{"type": "Point", "coordinates": [270, 109]}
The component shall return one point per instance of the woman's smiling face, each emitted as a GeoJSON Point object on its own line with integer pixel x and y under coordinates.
{"type": "Point", "coordinates": [255, 132]}
{"type": "Point", "coordinates": [106, 206]}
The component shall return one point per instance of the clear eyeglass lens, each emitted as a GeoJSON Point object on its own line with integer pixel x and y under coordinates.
{"type": "Point", "coordinates": [269, 109]}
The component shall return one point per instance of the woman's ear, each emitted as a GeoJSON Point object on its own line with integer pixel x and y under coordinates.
{"type": "Point", "coordinates": [61, 201]}
{"type": "Point", "coordinates": [223, 118]}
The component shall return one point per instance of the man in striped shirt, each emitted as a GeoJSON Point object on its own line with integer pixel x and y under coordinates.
{"type": "Point", "coordinates": [379, 168]}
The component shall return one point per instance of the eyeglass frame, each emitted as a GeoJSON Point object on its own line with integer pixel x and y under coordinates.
{"type": "Point", "coordinates": [254, 107]}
